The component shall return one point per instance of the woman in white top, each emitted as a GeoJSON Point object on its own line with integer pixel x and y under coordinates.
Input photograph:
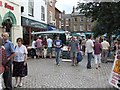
{"type": "Point", "coordinates": [20, 62]}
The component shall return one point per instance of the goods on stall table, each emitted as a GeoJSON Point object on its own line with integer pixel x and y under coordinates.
{"type": "Point", "coordinates": [115, 74]}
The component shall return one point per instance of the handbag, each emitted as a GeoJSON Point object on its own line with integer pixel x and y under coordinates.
{"type": "Point", "coordinates": [79, 57]}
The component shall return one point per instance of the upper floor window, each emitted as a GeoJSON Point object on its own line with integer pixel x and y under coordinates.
{"type": "Point", "coordinates": [50, 17]}
{"type": "Point", "coordinates": [82, 19]}
{"type": "Point", "coordinates": [42, 13]}
{"type": "Point", "coordinates": [31, 7]}
{"type": "Point", "coordinates": [50, 2]}
{"type": "Point", "coordinates": [75, 19]}
{"type": "Point", "coordinates": [60, 16]}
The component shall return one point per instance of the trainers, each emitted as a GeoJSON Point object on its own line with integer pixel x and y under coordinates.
{"type": "Point", "coordinates": [16, 85]}
{"type": "Point", "coordinates": [58, 64]}
{"type": "Point", "coordinates": [20, 85]}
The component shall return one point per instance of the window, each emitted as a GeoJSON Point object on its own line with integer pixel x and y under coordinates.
{"type": "Point", "coordinates": [50, 17]}
{"type": "Point", "coordinates": [62, 21]}
{"type": "Point", "coordinates": [81, 27]}
{"type": "Point", "coordinates": [50, 1]}
{"type": "Point", "coordinates": [67, 21]}
{"type": "Point", "coordinates": [89, 27]}
{"type": "Point", "coordinates": [60, 16]}
{"type": "Point", "coordinates": [75, 19]}
{"type": "Point", "coordinates": [82, 19]}
{"type": "Point", "coordinates": [67, 28]}
{"type": "Point", "coordinates": [42, 13]}
{"type": "Point", "coordinates": [31, 7]}
{"type": "Point", "coordinates": [59, 24]}
{"type": "Point", "coordinates": [75, 27]}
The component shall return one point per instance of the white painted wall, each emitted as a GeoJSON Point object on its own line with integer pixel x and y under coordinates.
{"type": "Point", "coordinates": [37, 10]}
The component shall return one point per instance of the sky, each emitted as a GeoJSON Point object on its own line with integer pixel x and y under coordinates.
{"type": "Point", "coordinates": [66, 5]}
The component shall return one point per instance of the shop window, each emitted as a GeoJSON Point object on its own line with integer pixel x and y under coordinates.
{"type": "Point", "coordinates": [42, 13]}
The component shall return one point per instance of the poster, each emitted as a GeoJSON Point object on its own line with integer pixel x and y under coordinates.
{"type": "Point", "coordinates": [115, 73]}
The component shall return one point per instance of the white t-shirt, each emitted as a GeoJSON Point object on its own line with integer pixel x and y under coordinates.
{"type": "Point", "coordinates": [33, 44]}
{"type": "Point", "coordinates": [89, 46]}
{"type": "Point", "coordinates": [20, 53]}
{"type": "Point", "coordinates": [49, 42]}
{"type": "Point", "coordinates": [105, 45]}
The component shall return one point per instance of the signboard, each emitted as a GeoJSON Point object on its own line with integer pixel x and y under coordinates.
{"type": "Point", "coordinates": [33, 23]}
{"type": "Point", "coordinates": [6, 5]}
{"type": "Point", "coordinates": [115, 74]}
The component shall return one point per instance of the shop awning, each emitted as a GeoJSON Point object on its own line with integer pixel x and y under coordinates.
{"type": "Point", "coordinates": [50, 32]}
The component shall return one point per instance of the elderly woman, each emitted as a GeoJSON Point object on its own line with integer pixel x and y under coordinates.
{"type": "Point", "coordinates": [20, 62]}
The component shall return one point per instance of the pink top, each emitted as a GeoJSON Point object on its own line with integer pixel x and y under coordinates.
{"type": "Point", "coordinates": [38, 43]}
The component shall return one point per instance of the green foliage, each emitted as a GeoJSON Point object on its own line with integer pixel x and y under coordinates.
{"type": "Point", "coordinates": [7, 24]}
{"type": "Point", "coordinates": [105, 14]}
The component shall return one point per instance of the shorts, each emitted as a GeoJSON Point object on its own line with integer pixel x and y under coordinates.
{"type": "Point", "coordinates": [73, 54]}
{"type": "Point", "coordinates": [49, 49]}
{"type": "Point", "coordinates": [39, 50]}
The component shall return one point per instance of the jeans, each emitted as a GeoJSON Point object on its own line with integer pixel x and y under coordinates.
{"type": "Point", "coordinates": [104, 55]}
{"type": "Point", "coordinates": [57, 56]}
{"type": "Point", "coordinates": [7, 76]}
{"type": "Point", "coordinates": [89, 57]}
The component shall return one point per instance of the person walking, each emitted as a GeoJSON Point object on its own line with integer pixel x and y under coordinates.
{"type": "Point", "coordinates": [20, 62]}
{"type": "Point", "coordinates": [89, 49]}
{"type": "Point", "coordinates": [73, 49]}
{"type": "Point", "coordinates": [39, 47]}
{"type": "Point", "coordinates": [2, 58]}
{"type": "Point", "coordinates": [58, 45]}
{"type": "Point", "coordinates": [97, 52]}
{"type": "Point", "coordinates": [10, 53]}
{"type": "Point", "coordinates": [83, 46]}
{"type": "Point", "coordinates": [49, 43]}
{"type": "Point", "coordinates": [33, 50]}
{"type": "Point", "coordinates": [105, 50]}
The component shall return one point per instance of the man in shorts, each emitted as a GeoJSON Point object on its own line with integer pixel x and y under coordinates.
{"type": "Point", "coordinates": [73, 48]}
{"type": "Point", "coordinates": [39, 47]}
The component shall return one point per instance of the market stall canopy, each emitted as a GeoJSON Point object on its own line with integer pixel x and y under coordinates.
{"type": "Point", "coordinates": [75, 34]}
{"type": "Point", "coordinates": [50, 32]}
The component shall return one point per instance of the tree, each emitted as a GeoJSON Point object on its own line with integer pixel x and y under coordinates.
{"type": "Point", "coordinates": [105, 14]}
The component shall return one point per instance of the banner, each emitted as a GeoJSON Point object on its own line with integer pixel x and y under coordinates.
{"type": "Point", "coordinates": [115, 74]}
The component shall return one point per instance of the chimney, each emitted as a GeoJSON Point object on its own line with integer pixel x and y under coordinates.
{"type": "Point", "coordinates": [63, 11]}
{"type": "Point", "coordinates": [73, 9]}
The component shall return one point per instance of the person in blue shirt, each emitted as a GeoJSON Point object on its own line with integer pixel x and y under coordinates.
{"type": "Point", "coordinates": [10, 53]}
{"type": "Point", "coordinates": [58, 45]}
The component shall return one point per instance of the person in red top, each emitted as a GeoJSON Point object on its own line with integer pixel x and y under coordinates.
{"type": "Point", "coordinates": [39, 47]}
{"type": "Point", "coordinates": [2, 60]}
{"type": "Point", "coordinates": [97, 52]}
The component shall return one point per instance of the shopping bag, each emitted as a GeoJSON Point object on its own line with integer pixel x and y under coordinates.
{"type": "Point", "coordinates": [79, 57]}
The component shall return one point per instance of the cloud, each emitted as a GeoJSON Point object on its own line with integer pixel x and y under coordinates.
{"type": "Point", "coordinates": [66, 5]}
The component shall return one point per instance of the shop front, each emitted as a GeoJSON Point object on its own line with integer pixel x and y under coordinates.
{"type": "Point", "coordinates": [10, 19]}
{"type": "Point", "coordinates": [29, 26]}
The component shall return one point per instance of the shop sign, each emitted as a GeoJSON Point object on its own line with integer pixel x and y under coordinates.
{"type": "Point", "coordinates": [9, 6]}
{"type": "Point", "coordinates": [33, 23]}
{"type": "Point", "coordinates": [0, 3]}
{"type": "Point", "coordinates": [115, 74]}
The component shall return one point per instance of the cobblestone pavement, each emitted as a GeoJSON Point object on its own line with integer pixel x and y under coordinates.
{"type": "Point", "coordinates": [43, 73]}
